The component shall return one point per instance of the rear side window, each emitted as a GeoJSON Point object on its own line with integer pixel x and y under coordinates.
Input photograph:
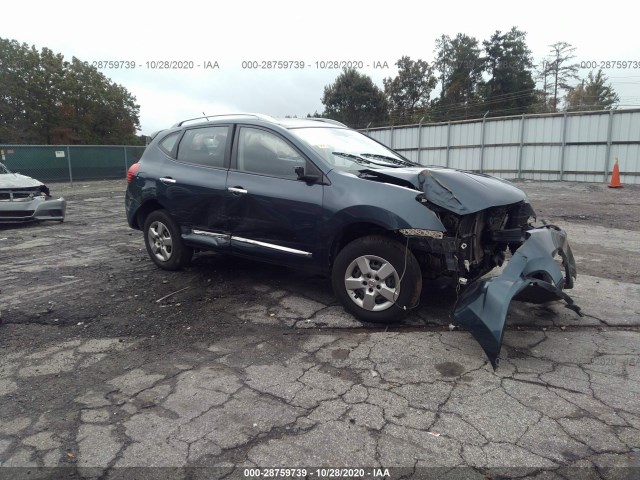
{"type": "Point", "coordinates": [169, 142]}
{"type": "Point", "coordinates": [204, 146]}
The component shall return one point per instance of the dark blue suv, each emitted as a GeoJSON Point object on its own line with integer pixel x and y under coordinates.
{"type": "Point", "coordinates": [314, 194]}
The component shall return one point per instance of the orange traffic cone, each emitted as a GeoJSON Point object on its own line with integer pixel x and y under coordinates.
{"type": "Point", "coordinates": [615, 177]}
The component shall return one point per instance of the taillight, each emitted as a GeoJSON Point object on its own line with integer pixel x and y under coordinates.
{"type": "Point", "coordinates": [133, 169]}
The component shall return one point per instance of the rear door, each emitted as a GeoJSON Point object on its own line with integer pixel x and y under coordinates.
{"type": "Point", "coordinates": [273, 216]}
{"type": "Point", "coordinates": [193, 184]}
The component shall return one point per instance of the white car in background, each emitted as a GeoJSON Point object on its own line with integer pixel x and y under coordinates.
{"type": "Point", "coordinates": [25, 199]}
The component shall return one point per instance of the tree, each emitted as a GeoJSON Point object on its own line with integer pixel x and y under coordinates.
{"type": "Point", "coordinates": [460, 65]}
{"type": "Point", "coordinates": [594, 94]}
{"type": "Point", "coordinates": [355, 100]}
{"type": "Point", "coordinates": [544, 103]}
{"type": "Point", "coordinates": [408, 93]}
{"type": "Point", "coordinates": [560, 69]}
{"type": "Point", "coordinates": [45, 99]}
{"type": "Point", "coordinates": [511, 89]}
{"type": "Point", "coordinates": [17, 66]}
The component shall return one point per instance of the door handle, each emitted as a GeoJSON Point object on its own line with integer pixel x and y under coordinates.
{"type": "Point", "coordinates": [167, 180]}
{"type": "Point", "coordinates": [237, 190]}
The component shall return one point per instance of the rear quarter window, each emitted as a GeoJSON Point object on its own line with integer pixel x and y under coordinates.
{"type": "Point", "coordinates": [168, 142]}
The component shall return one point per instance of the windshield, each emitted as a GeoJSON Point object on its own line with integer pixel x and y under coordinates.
{"type": "Point", "coordinates": [350, 150]}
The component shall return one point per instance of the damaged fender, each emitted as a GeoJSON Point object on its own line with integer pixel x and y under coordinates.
{"type": "Point", "coordinates": [531, 275]}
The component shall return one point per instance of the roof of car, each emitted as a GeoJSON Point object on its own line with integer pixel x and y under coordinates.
{"type": "Point", "coordinates": [285, 122]}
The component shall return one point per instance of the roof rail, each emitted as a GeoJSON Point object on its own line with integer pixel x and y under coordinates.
{"type": "Point", "coordinates": [326, 120]}
{"type": "Point", "coordinates": [243, 114]}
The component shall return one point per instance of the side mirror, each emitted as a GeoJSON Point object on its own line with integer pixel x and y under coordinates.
{"type": "Point", "coordinates": [305, 178]}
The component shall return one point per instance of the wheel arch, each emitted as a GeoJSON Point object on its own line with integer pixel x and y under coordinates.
{"type": "Point", "coordinates": [143, 211]}
{"type": "Point", "coordinates": [356, 230]}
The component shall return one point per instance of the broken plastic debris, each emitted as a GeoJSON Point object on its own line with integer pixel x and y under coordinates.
{"type": "Point", "coordinates": [452, 326]}
{"type": "Point", "coordinates": [435, 434]}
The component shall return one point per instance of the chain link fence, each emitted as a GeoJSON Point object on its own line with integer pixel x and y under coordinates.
{"type": "Point", "coordinates": [67, 163]}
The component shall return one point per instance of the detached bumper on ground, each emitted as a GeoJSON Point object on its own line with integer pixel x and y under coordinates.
{"type": "Point", "coordinates": [40, 207]}
{"type": "Point", "coordinates": [532, 274]}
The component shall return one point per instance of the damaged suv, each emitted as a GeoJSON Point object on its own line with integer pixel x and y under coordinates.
{"type": "Point", "coordinates": [314, 194]}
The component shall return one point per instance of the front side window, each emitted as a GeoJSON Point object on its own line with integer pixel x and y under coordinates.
{"type": "Point", "coordinates": [204, 146]}
{"type": "Point", "coordinates": [262, 152]}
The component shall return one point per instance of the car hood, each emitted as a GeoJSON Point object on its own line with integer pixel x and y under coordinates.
{"type": "Point", "coordinates": [456, 190]}
{"type": "Point", "coordinates": [15, 180]}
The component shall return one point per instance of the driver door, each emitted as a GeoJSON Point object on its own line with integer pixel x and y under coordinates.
{"type": "Point", "coordinates": [273, 216]}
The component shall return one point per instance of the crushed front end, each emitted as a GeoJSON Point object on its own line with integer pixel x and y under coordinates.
{"type": "Point", "coordinates": [472, 245]}
{"type": "Point", "coordinates": [541, 266]}
{"type": "Point", "coordinates": [481, 219]}
{"type": "Point", "coordinates": [29, 203]}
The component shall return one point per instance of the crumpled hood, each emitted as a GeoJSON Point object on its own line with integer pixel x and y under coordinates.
{"type": "Point", "coordinates": [15, 180]}
{"type": "Point", "coordinates": [458, 191]}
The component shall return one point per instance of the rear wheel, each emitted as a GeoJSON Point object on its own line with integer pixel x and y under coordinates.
{"type": "Point", "coordinates": [377, 279]}
{"type": "Point", "coordinates": [164, 244]}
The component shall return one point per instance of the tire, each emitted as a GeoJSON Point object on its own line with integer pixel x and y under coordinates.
{"type": "Point", "coordinates": [370, 279]}
{"type": "Point", "coordinates": [164, 244]}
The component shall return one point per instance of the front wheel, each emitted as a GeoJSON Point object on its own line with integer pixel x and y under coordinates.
{"type": "Point", "coordinates": [377, 279]}
{"type": "Point", "coordinates": [163, 241]}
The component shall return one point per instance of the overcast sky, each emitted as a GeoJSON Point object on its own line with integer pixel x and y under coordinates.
{"type": "Point", "coordinates": [314, 31]}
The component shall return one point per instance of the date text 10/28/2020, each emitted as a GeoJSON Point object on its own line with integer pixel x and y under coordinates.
{"type": "Point", "coordinates": [244, 64]}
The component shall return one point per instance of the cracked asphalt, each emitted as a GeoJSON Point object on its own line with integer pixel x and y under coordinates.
{"type": "Point", "coordinates": [109, 366]}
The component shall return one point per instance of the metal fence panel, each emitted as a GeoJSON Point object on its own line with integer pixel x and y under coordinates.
{"type": "Point", "coordinates": [435, 136]}
{"type": "Point", "coordinates": [501, 159]}
{"type": "Point", "coordinates": [465, 158]}
{"type": "Point", "coordinates": [541, 162]}
{"type": "Point", "coordinates": [543, 130]}
{"type": "Point", "coordinates": [579, 146]}
{"type": "Point", "coordinates": [502, 131]}
{"type": "Point", "coordinates": [466, 133]}
{"type": "Point", "coordinates": [434, 157]}
{"type": "Point", "coordinates": [626, 126]}
{"type": "Point", "coordinates": [587, 128]}
{"type": "Point", "coordinates": [406, 138]}
{"type": "Point", "coordinates": [584, 163]}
